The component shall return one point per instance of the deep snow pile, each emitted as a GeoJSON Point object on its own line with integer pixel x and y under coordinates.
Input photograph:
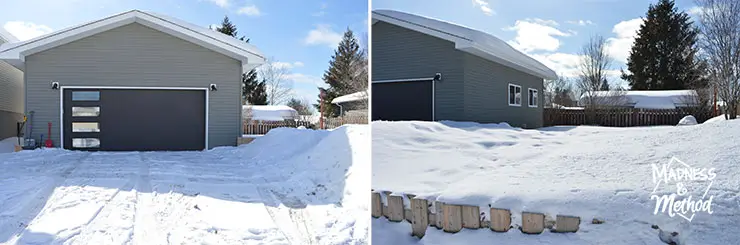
{"type": "Point", "coordinates": [687, 120]}
{"type": "Point", "coordinates": [586, 171]}
{"type": "Point", "coordinates": [291, 186]}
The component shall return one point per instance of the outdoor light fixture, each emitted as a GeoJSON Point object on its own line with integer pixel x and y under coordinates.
{"type": "Point", "coordinates": [438, 77]}
{"type": "Point", "coordinates": [54, 85]}
{"type": "Point", "coordinates": [213, 87]}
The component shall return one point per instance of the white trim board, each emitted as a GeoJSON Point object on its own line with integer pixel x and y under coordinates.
{"type": "Point", "coordinates": [424, 79]}
{"type": "Point", "coordinates": [250, 56]}
{"type": "Point", "coordinates": [61, 104]}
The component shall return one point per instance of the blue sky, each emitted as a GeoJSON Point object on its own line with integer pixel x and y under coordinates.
{"type": "Point", "coordinates": [300, 34]}
{"type": "Point", "coordinates": [551, 31]}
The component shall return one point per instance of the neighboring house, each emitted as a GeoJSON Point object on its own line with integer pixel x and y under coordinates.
{"type": "Point", "coordinates": [11, 92]}
{"type": "Point", "coordinates": [269, 113]}
{"type": "Point", "coordinates": [653, 99]}
{"type": "Point", "coordinates": [352, 104]}
{"type": "Point", "coordinates": [134, 81]}
{"type": "Point", "coordinates": [481, 78]}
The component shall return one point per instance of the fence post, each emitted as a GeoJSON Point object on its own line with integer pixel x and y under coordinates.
{"type": "Point", "coordinates": [419, 217]}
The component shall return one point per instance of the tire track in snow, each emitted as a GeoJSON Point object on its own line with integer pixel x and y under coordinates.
{"type": "Point", "coordinates": [143, 217]}
{"type": "Point", "coordinates": [99, 221]}
{"type": "Point", "coordinates": [37, 207]}
{"type": "Point", "coordinates": [292, 224]}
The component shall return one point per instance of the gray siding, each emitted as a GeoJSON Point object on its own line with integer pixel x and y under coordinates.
{"type": "Point", "coordinates": [399, 53]}
{"type": "Point", "coordinates": [135, 56]}
{"type": "Point", "coordinates": [486, 94]}
{"type": "Point", "coordinates": [11, 99]}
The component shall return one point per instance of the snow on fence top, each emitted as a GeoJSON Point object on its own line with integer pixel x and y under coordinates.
{"type": "Point", "coordinates": [469, 40]}
{"type": "Point", "coordinates": [358, 96]}
{"type": "Point", "coordinates": [666, 99]}
{"type": "Point", "coordinates": [269, 112]}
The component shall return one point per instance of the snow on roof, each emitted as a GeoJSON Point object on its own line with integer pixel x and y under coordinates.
{"type": "Point", "coordinates": [664, 99]}
{"type": "Point", "coordinates": [469, 40]}
{"type": "Point", "coordinates": [269, 112]}
{"type": "Point", "coordinates": [250, 56]}
{"type": "Point", "coordinates": [6, 36]}
{"type": "Point", "coordinates": [357, 96]}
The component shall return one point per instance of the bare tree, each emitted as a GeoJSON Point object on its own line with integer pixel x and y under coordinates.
{"type": "Point", "coordinates": [720, 46]}
{"type": "Point", "coordinates": [558, 92]}
{"type": "Point", "coordinates": [594, 65]}
{"type": "Point", "coordinates": [279, 88]}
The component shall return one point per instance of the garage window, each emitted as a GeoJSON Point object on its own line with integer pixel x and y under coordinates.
{"type": "Point", "coordinates": [85, 127]}
{"type": "Point", "coordinates": [85, 111]}
{"type": "Point", "coordinates": [85, 143]}
{"type": "Point", "coordinates": [515, 95]}
{"type": "Point", "coordinates": [85, 95]}
{"type": "Point", "coordinates": [532, 97]}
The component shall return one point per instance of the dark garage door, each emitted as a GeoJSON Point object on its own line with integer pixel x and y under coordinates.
{"type": "Point", "coordinates": [134, 119]}
{"type": "Point", "coordinates": [402, 101]}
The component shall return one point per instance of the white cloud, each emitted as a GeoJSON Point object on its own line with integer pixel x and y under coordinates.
{"type": "Point", "coordinates": [323, 35]}
{"type": "Point", "coordinates": [305, 79]}
{"type": "Point", "coordinates": [26, 30]}
{"type": "Point", "coordinates": [483, 5]}
{"type": "Point", "coordinates": [221, 3]}
{"type": "Point", "coordinates": [580, 22]}
{"type": "Point", "coordinates": [694, 11]}
{"type": "Point", "coordinates": [287, 65]}
{"type": "Point", "coordinates": [562, 63]}
{"type": "Point", "coordinates": [532, 36]}
{"type": "Point", "coordinates": [619, 47]}
{"type": "Point", "coordinates": [250, 10]}
{"type": "Point", "coordinates": [543, 22]}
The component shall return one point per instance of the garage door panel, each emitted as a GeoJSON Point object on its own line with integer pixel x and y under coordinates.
{"type": "Point", "coordinates": [144, 120]}
{"type": "Point", "coordinates": [401, 101]}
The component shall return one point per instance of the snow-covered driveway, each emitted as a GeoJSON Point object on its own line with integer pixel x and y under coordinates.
{"type": "Point", "coordinates": [290, 187]}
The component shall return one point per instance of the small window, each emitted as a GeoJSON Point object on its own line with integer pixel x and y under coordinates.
{"type": "Point", "coordinates": [515, 95]}
{"type": "Point", "coordinates": [85, 111]}
{"type": "Point", "coordinates": [85, 127]}
{"type": "Point", "coordinates": [85, 143]}
{"type": "Point", "coordinates": [86, 95]}
{"type": "Point", "coordinates": [532, 97]}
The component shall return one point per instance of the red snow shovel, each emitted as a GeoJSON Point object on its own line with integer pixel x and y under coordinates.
{"type": "Point", "coordinates": [48, 142]}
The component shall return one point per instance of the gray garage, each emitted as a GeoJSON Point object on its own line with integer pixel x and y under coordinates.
{"type": "Point", "coordinates": [136, 81]}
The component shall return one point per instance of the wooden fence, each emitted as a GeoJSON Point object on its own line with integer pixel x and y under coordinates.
{"type": "Point", "coordinates": [262, 127]}
{"type": "Point", "coordinates": [615, 117]}
{"type": "Point", "coordinates": [333, 122]}
{"type": "Point", "coordinates": [452, 218]}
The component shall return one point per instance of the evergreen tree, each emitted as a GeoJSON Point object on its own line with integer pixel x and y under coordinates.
{"type": "Point", "coordinates": [340, 74]}
{"type": "Point", "coordinates": [253, 91]}
{"type": "Point", "coordinates": [604, 85]}
{"type": "Point", "coordinates": [300, 106]}
{"type": "Point", "coordinates": [663, 56]}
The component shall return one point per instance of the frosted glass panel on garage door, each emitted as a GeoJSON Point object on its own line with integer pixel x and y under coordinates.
{"type": "Point", "coordinates": [85, 96]}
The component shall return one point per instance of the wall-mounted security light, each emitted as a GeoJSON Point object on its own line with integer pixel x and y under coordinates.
{"type": "Point", "coordinates": [213, 87]}
{"type": "Point", "coordinates": [438, 77]}
{"type": "Point", "coordinates": [54, 85]}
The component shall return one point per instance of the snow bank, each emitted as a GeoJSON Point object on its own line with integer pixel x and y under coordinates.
{"type": "Point", "coordinates": [269, 112]}
{"type": "Point", "coordinates": [8, 145]}
{"type": "Point", "coordinates": [720, 118]}
{"type": "Point", "coordinates": [585, 171]}
{"type": "Point", "coordinates": [687, 120]}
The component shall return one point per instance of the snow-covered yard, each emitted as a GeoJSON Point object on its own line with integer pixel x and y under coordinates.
{"type": "Point", "coordinates": [591, 172]}
{"type": "Point", "coordinates": [291, 186]}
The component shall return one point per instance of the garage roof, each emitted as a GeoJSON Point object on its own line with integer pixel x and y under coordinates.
{"type": "Point", "coordinates": [6, 36]}
{"type": "Point", "coordinates": [469, 40]}
{"type": "Point", "coordinates": [16, 52]}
